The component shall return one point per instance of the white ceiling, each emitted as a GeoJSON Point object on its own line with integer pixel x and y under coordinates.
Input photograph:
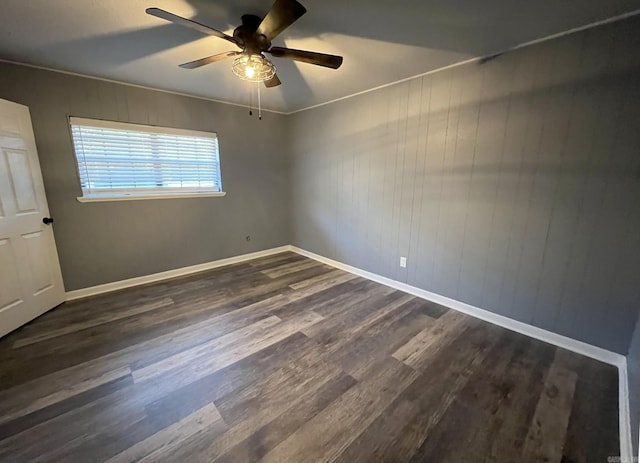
{"type": "Point", "coordinates": [381, 41]}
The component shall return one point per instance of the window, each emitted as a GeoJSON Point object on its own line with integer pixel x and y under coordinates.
{"type": "Point", "coordinates": [131, 161]}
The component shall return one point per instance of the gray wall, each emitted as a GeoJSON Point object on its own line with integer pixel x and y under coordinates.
{"type": "Point", "coordinates": [105, 242]}
{"type": "Point", "coordinates": [633, 364]}
{"type": "Point", "coordinates": [512, 185]}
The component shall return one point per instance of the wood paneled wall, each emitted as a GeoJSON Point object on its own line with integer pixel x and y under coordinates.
{"type": "Point", "coordinates": [512, 185]}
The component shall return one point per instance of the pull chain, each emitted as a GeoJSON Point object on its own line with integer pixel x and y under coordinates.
{"type": "Point", "coordinates": [259, 103]}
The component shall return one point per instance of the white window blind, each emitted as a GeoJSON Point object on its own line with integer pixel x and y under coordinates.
{"type": "Point", "coordinates": [117, 159]}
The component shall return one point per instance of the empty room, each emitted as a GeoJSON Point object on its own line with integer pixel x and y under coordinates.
{"type": "Point", "coordinates": [319, 231]}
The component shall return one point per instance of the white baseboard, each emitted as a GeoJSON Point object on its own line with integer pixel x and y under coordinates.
{"type": "Point", "coordinates": [137, 281]}
{"type": "Point", "coordinates": [588, 350]}
{"type": "Point", "coordinates": [626, 446]}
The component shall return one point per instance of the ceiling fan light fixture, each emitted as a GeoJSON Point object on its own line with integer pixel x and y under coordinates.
{"type": "Point", "coordinates": [254, 68]}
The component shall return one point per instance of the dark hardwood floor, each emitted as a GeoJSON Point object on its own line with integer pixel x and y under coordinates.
{"type": "Point", "coordinates": [283, 359]}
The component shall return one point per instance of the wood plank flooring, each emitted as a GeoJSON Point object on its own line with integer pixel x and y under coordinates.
{"type": "Point", "coordinates": [283, 359]}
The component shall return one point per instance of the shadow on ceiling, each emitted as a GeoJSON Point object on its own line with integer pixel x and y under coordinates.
{"type": "Point", "coordinates": [444, 28]}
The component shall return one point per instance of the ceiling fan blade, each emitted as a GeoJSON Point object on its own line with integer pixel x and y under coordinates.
{"type": "Point", "coordinates": [282, 14]}
{"type": "Point", "coordinates": [311, 57]}
{"type": "Point", "coordinates": [162, 14]}
{"type": "Point", "coordinates": [209, 59]}
{"type": "Point", "coordinates": [273, 82]}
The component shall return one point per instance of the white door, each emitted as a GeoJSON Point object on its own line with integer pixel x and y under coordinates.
{"type": "Point", "coordinates": [30, 278]}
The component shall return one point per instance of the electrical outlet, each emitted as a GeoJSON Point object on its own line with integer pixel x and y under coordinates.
{"type": "Point", "coordinates": [403, 262]}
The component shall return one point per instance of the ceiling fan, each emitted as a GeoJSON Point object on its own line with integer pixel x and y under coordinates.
{"type": "Point", "coordinates": [254, 38]}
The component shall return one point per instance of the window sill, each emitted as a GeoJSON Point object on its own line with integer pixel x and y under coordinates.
{"type": "Point", "coordinates": [101, 199]}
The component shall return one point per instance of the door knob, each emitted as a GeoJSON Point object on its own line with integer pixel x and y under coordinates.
{"type": "Point", "coordinates": [47, 220]}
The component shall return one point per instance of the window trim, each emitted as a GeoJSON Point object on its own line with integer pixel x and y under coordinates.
{"type": "Point", "coordinates": [108, 196]}
{"type": "Point", "coordinates": [135, 197]}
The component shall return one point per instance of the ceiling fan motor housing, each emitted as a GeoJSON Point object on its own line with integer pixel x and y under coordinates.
{"type": "Point", "coordinates": [248, 39]}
